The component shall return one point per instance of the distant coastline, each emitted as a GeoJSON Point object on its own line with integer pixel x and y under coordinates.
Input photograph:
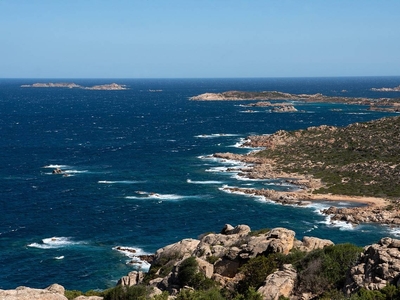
{"type": "Point", "coordinates": [71, 85]}
{"type": "Point", "coordinates": [380, 104]}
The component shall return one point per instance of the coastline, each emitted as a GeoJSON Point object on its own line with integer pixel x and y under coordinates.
{"type": "Point", "coordinates": [370, 209]}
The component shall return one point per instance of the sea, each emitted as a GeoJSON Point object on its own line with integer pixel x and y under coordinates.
{"type": "Point", "coordinates": [139, 172]}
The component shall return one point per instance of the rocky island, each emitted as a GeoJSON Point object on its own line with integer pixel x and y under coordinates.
{"type": "Point", "coordinates": [69, 85]}
{"type": "Point", "coordinates": [385, 89]}
{"type": "Point", "coordinates": [384, 104]}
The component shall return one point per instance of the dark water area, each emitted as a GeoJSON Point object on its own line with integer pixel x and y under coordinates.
{"type": "Point", "coordinates": [139, 174]}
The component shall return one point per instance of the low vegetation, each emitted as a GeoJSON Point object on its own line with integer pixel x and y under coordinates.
{"type": "Point", "coordinates": [360, 159]}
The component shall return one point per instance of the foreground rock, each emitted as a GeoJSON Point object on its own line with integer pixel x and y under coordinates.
{"type": "Point", "coordinates": [378, 266]}
{"type": "Point", "coordinates": [219, 257]}
{"type": "Point", "coordinates": [53, 292]}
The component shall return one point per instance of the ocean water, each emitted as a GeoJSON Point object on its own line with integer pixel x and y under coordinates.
{"type": "Point", "coordinates": [140, 172]}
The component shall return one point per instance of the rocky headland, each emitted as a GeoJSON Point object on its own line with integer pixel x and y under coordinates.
{"type": "Point", "coordinates": [384, 104]}
{"type": "Point", "coordinates": [238, 261]}
{"type": "Point", "coordinates": [71, 85]}
{"type": "Point", "coordinates": [358, 163]}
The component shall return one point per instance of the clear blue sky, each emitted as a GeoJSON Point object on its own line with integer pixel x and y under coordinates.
{"type": "Point", "coordinates": [198, 38]}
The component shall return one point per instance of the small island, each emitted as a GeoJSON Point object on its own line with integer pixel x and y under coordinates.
{"type": "Point", "coordinates": [385, 89]}
{"type": "Point", "coordinates": [379, 104]}
{"type": "Point", "coordinates": [71, 85]}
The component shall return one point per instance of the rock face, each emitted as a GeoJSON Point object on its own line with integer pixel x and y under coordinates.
{"type": "Point", "coordinates": [53, 292]}
{"type": "Point", "coordinates": [280, 283]}
{"type": "Point", "coordinates": [378, 266]}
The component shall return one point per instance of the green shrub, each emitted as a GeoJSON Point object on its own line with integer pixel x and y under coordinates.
{"type": "Point", "coordinates": [211, 294]}
{"type": "Point", "coordinates": [187, 271]}
{"type": "Point", "coordinates": [137, 292]}
{"type": "Point", "coordinates": [212, 259]}
{"type": "Point", "coordinates": [255, 272]}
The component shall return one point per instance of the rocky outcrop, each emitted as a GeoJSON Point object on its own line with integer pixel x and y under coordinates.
{"type": "Point", "coordinates": [133, 278]}
{"type": "Point", "coordinates": [219, 256]}
{"type": "Point", "coordinates": [308, 244]}
{"type": "Point", "coordinates": [357, 215]}
{"type": "Point", "coordinates": [378, 265]}
{"type": "Point", "coordinates": [284, 108]}
{"type": "Point", "coordinates": [53, 292]}
{"type": "Point", "coordinates": [279, 284]}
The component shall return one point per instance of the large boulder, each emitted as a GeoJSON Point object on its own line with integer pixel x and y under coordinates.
{"type": "Point", "coordinates": [133, 278]}
{"type": "Point", "coordinates": [308, 244]}
{"type": "Point", "coordinates": [179, 250]}
{"type": "Point", "coordinates": [53, 292]}
{"type": "Point", "coordinates": [378, 266]}
{"type": "Point", "coordinates": [279, 283]}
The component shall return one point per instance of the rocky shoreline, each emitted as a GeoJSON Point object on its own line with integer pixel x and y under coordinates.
{"type": "Point", "coordinates": [372, 209]}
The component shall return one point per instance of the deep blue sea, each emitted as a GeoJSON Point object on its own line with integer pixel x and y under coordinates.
{"type": "Point", "coordinates": [140, 175]}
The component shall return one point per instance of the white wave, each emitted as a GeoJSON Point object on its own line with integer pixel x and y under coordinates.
{"type": "Point", "coordinates": [341, 224]}
{"type": "Point", "coordinates": [148, 195]}
{"type": "Point", "coordinates": [204, 182]}
{"type": "Point", "coordinates": [243, 178]}
{"type": "Point", "coordinates": [75, 171]}
{"type": "Point", "coordinates": [59, 257]}
{"type": "Point", "coordinates": [133, 255]}
{"type": "Point", "coordinates": [54, 242]}
{"type": "Point", "coordinates": [55, 166]}
{"type": "Point", "coordinates": [118, 181]}
{"type": "Point", "coordinates": [395, 231]}
{"type": "Point", "coordinates": [215, 135]}
{"type": "Point", "coordinates": [227, 189]}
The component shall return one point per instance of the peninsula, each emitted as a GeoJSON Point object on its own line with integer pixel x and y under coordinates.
{"type": "Point", "coordinates": [384, 104]}
{"type": "Point", "coordinates": [71, 85]}
{"type": "Point", "coordinates": [358, 163]}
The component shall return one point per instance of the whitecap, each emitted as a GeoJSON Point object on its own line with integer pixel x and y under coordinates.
{"type": "Point", "coordinates": [152, 195]}
{"type": "Point", "coordinates": [215, 135]}
{"type": "Point", "coordinates": [59, 257]}
{"type": "Point", "coordinates": [55, 166]}
{"type": "Point", "coordinates": [75, 171]}
{"type": "Point", "coordinates": [54, 242]}
{"type": "Point", "coordinates": [204, 181]}
{"type": "Point", "coordinates": [118, 181]}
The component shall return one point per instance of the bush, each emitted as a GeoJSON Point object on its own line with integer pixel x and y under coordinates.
{"type": "Point", "coordinates": [255, 271]}
{"type": "Point", "coordinates": [211, 294]}
{"type": "Point", "coordinates": [137, 292]}
{"type": "Point", "coordinates": [324, 270]}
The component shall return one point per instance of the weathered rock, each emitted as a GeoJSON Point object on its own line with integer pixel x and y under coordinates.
{"type": "Point", "coordinates": [179, 250]}
{"type": "Point", "coordinates": [281, 240]}
{"type": "Point", "coordinates": [311, 243]}
{"type": "Point", "coordinates": [133, 278]}
{"type": "Point", "coordinates": [279, 283]}
{"type": "Point", "coordinates": [378, 265]}
{"type": "Point", "coordinates": [205, 267]}
{"type": "Point", "coordinates": [53, 292]}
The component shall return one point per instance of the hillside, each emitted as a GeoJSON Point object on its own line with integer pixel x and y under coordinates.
{"type": "Point", "coordinates": [360, 159]}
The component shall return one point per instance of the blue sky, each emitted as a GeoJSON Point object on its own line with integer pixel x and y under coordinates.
{"type": "Point", "coordinates": [198, 38]}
